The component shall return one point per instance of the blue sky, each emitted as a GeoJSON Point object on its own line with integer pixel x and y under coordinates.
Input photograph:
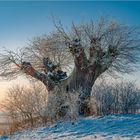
{"type": "Point", "coordinates": [20, 21]}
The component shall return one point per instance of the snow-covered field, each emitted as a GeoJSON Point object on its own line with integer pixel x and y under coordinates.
{"type": "Point", "coordinates": [112, 127]}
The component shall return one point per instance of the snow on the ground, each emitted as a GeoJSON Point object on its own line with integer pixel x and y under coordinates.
{"type": "Point", "coordinates": [112, 127]}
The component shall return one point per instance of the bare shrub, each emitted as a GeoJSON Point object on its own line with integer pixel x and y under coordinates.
{"type": "Point", "coordinates": [123, 97]}
{"type": "Point", "coordinates": [23, 105]}
{"type": "Point", "coordinates": [129, 97]}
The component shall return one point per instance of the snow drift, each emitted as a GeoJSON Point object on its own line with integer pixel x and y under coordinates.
{"type": "Point", "coordinates": [108, 127]}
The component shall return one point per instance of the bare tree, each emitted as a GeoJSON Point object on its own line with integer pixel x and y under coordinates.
{"type": "Point", "coordinates": [93, 48]}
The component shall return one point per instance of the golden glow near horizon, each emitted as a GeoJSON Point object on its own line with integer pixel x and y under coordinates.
{"type": "Point", "coordinates": [3, 88]}
{"type": "Point", "coordinates": [5, 85]}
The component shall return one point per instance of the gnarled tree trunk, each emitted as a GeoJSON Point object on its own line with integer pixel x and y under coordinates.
{"type": "Point", "coordinates": [82, 81]}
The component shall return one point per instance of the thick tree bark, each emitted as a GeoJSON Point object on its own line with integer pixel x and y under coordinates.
{"type": "Point", "coordinates": [82, 81]}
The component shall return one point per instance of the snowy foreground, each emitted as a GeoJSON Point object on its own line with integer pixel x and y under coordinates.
{"type": "Point", "coordinates": [112, 127]}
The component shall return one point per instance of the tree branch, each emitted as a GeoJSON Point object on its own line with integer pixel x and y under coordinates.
{"type": "Point", "coordinates": [79, 55]}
